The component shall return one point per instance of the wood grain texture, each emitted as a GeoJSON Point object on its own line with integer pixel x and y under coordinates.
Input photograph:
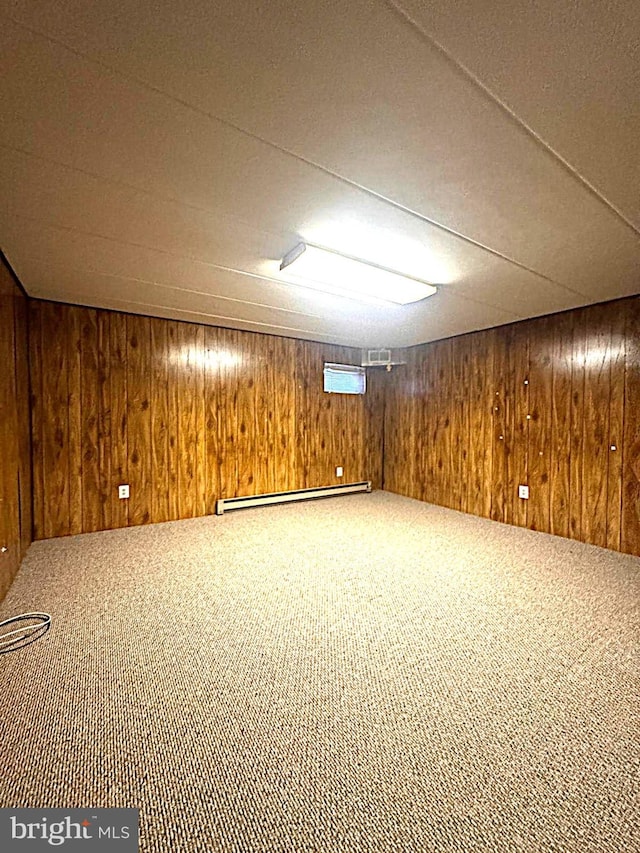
{"type": "Point", "coordinates": [430, 414]}
{"type": "Point", "coordinates": [560, 465]}
{"type": "Point", "coordinates": [185, 414]}
{"type": "Point", "coordinates": [374, 425]}
{"type": "Point", "coordinates": [246, 399]}
{"type": "Point", "coordinates": [462, 405]}
{"type": "Point", "coordinates": [73, 347]}
{"type": "Point", "coordinates": [58, 406]}
{"type": "Point", "coordinates": [88, 418]}
{"type": "Point", "coordinates": [159, 402]}
{"type": "Point", "coordinates": [596, 427]}
{"type": "Point", "coordinates": [616, 425]}
{"type": "Point", "coordinates": [211, 416]}
{"type": "Point", "coordinates": [38, 419]}
{"type": "Point", "coordinates": [105, 425]}
{"type": "Point", "coordinates": [173, 420]}
{"type": "Point", "coordinates": [21, 360]}
{"type": "Point", "coordinates": [541, 414]}
{"type": "Point", "coordinates": [16, 518]}
{"type": "Point", "coordinates": [118, 426]}
{"type": "Point", "coordinates": [228, 357]}
{"type": "Point", "coordinates": [519, 456]}
{"type": "Point", "coordinates": [500, 398]}
{"type": "Point", "coordinates": [139, 418]}
{"type": "Point", "coordinates": [630, 528]}
{"type": "Point", "coordinates": [578, 373]}
{"type": "Point", "coordinates": [480, 446]}
{"type": "Point", "coordinates": [189, 414]}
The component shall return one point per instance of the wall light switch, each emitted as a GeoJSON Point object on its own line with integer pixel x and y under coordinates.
{"type": "Point", "coordinates": [339, 471]}
{"type": "Point", "coordinates": [523, 492]}
{"type": "Point", "coordinates": [123, 492]}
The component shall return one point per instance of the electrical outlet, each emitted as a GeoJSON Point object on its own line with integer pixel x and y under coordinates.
{"type": "Point", "coordinates": [523, 492]}
{"type": "Point", "coordinates": [123, 492]}
{"type": "Point", "coordinates": [339, 471]}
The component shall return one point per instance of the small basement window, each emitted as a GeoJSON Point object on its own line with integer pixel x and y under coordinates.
{"type": "Point", "coordinates": [344, 379]}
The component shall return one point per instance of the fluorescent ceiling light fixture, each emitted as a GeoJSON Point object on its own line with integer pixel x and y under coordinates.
{"type": "Point", "coordinates": [333, 273]}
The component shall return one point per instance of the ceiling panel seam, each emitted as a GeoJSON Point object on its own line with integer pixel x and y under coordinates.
{"type": "Point", "coordinates": [116, 182]}
{"type": "Point", "coordinates": [77, 299]}
{"type": "Point", "coordinates": [511, 114]}
{"type": "Point", "coordinates": [178, 289]}
{"type": "Point", "coordinates": [118, 241]}
{"type": "Point", "coordinates": [188, 205]}
{"type": "Point", "coordinates": [300, 158]}
{"type": "Point", "coordinates": [464, 298]}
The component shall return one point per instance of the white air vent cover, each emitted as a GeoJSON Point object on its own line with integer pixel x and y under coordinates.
{"type": "Point", "coordinates": [378, 356]}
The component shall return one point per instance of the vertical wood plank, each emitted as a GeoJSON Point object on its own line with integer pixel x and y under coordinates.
{"type": "Point", "coordinates": [509, 418]}
{"type": "Point", "coordinates": [174, 358]}
{"type": "Point", "coordinates": [303, 457]}
{"type": "Point", "coordinates": [118, 396]}
{"type": "Point", "coordinates": [374, 450]}
{"type": "Point", "coordinates": [9, 474]}
{"type": "Point", "coordinates": [487, 421]}
{"type": "Point", "coordinates": [596, 429]}
{"type": "Point", "coordinates": [139, 418]}
{"type": "Point", "coordinates": [159, 404]}
{"type": "Point", "coordinates": [478, 436]}
{"type": "Point", "coordinates": [560, 467]}
{"type": "Point", "coordinates": [56, 432]}
{"type": "Point", "coordinates": [540, 406]}
{"type": "Point", "coordinates": [37, 416]}
{"type": "Point", "coordinates": [200, 495]}
{"type": "Point", "coordinates": [432, 412]}
{"type": "Point", "coordinates": [23, 424]}
{"type": "Point", "coordinates": [87, 423]}
{"type": "Point", "coordinates": [519, 455]}
{"type": "Point", "coordinates": [447, 399]}
{"type": "Point", "coordinates": [438, 420]}
{"type": "Point", "coordinates": [187, 421]}
{"type": "Point", "coordinates": [578, 370]}
{"type": "Point", "coordinates": [630, 540]}
{"type": "Point", "coordinates": [465, 443]}
{"type": "Point", "coordinates": [246, 396]}
{"type": "Point", "coordinates": [290, 416]}
{"type": "Point", "coordinates": [211, 415]}
{"type": "Point", "coordinates": [72, 331]}
{"type": "Point", "coordinates": [500, 494]}
{"type": "Point", "coordinates": [284, 415]}
{"type": "Point", "coordinates": [261, 456]}
{"type": "Point", "coordinates": [616, 423]}
{"type": "Point", "coordinates": [230, 357]}
{"type": "Point", "coordinates": [105, 425]}
{"type": "Point", "coordinates": [351, 425]}
{"type": "Point", "coordinates": [318, 416]}
{"type": "Point", "coordinates": [270, 414]}
{"type": "Point", "coordinates": [457, 423]}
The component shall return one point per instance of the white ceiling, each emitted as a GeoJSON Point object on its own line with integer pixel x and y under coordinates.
{"type": "Point", "coordinates": [161, 157]}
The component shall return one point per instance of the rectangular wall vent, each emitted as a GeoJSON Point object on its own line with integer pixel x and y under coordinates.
{"type": "Point", "coordinates": [227, 504]}
{"type": "Point", "coordinates": [383, 356]}
{"type": "Point", "coordinates": [378, 356]}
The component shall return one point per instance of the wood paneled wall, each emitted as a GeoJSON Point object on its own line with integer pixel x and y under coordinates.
{"type": "Point", "coordinates": [552, 403]}
{"type": "Point", "coordinates": [184, 414]}
{"type": "Point", "coordinates": [15, 470]}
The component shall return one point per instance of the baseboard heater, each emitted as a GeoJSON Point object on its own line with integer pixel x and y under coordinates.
{"type": "Point", "coordinates": [227, 504]}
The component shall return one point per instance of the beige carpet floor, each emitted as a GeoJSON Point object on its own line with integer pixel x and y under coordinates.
{"type": "Point", "coordinates": [363, 673]}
